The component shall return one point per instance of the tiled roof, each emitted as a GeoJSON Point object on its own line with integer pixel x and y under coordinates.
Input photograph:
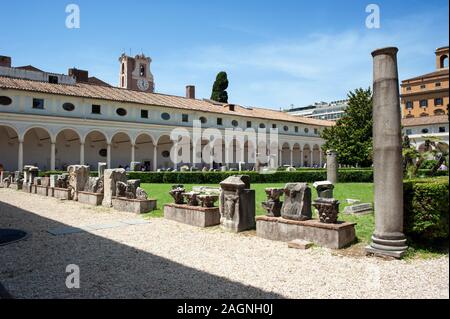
{"type": "Point", "coordinates": [425, 120]}
{"type": "Point", "coordinates": [429, 75]}
{"type": "Point", "coordinates": [130, 96]}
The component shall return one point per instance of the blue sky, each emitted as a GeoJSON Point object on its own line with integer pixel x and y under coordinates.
{"type": "Point", "coordinates": [276, 53]}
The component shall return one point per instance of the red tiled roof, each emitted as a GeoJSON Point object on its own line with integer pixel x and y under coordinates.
{"type": "Point", "coordinates": [425, 120]}
{"type": "Point", "coordinates": [429, 75]}
{"type": "Point", "coordinates": [130, 96]}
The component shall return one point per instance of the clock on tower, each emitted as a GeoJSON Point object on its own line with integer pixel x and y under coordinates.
{"type": "Point", "coordinates": [135, 73]}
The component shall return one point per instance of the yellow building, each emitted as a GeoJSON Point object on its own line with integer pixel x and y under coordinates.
{"type": "Point", "coordinates": [427, 95]}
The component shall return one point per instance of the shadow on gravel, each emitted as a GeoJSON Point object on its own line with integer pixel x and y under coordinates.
{"type": "Point", "coordinates": [36, 267]}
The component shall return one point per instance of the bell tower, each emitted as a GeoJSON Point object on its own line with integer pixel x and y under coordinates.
{"type": "Point", "coordinates": [135, 73]}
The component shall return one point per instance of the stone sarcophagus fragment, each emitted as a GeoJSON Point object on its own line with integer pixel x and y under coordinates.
{"type": "Point", "coordinates": [297, 202]}
{"type": "Point", "coordinates": [78, 177]}
{"type": "Point", "coordinates": [110, 178]}
{"type": "Point", "coordinates": [237, 204]}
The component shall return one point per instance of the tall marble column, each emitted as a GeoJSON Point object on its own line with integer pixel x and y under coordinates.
{"type": "Point", "coordinates": [81, 153]}
{"type": "Point", "coordinates": [108, 155]}
{"type": "Point", "coordinates": [388, 238]}
{"type": "Point", "coordinates": [20, 157]}
{"type": "Point", "coordinates": [133, 152]}
{"type": "Point", "coordinates": [52, 156]}
{"type": "Point", "coordinates": [292, 157]}
{"type": "Point", "coordinates": [332, 166]}
{"type": "Point", "coordinates": [155, 157]}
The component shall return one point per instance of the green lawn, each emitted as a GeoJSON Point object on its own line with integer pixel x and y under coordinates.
{"type": "Point", "coordinates": [361, 191]}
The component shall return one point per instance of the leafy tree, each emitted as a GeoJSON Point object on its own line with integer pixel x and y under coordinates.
{"type": "Point", "coordinates": [219, 92]}
{"type": "Point", "coordinates": [351, 137]}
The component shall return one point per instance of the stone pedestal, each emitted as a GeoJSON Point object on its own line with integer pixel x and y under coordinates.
{"type": "Point", "coordinates": [332, 166]}
{"type": "Point", "coordinates": [41, 190]}
{"type": "Point", "coordinates": [78, 178]}
{"type": "Point", "coordinates": [333, 236]}
{"type": "Point", "coordinates": [388, 238]}
{"type": "Point", "coordinates": [193, 215]}
{"type": "Point", "coordinates": [237, 204]}
{"type": "Point", "coordinates": [16, 186]}
{"type": "Point", "coordinates": [136, 206]}
{"type": "Point", "coordinates": [324, 189]}
{"type": "Point", "coordinates": [89, 198]}
{"type": "Point", "coordinates": [62, 193]}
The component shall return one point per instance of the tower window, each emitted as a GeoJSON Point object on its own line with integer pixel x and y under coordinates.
{"type": "Point", "coordinates": [123, 68]}
{"type": "Point", "coordinates": [144, 114]}
{"type": "Point", "coordinates": [96, 109]}
{"type": "Point", "coordinates": [142, 70]}
{"type": "Point", "coordinates": [38, 104]}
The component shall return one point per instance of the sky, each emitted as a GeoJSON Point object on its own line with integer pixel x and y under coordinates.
{"type": "Point", "coordinates": [276, 53]}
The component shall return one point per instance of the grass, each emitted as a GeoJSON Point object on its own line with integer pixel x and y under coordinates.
{"type": "Point", "coordinates": [360, 191]}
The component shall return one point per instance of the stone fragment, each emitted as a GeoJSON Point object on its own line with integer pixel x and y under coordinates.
{"type": "Point", "coordinates": [141, 194]}
{"type": "Point", "coordinates": [324, 189]}
{"type": "Point", "coordinates": [78, 176]}
{"type": "Point", "coordinates": [273, 204]}
{"type": "Point", "coordinates": [359, 209]}
{"type": "Point", "coordinates": [332, 166]}
{"type": "Point", "coordinates": [300, 244]}
{"type": "Point", "coordinates": [297, 202]}
{"type": "Point", "coordinates": [177, 192]}
{"type": "Point", "coordinates": [328, 209]}
{"type": "Point", "coordinates": [110, 178]}
{"type": "Point", "coordinates": [101, 168]}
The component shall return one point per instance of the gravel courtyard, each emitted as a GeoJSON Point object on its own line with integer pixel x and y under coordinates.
{"type": "Point", "coordinates": [165, 259]}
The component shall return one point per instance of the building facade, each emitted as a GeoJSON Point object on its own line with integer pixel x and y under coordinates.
{"type": "Point", "coordinates": [427, 94]}
{"type": "Point", "coordinates": [332, 111]}
{"type": "Point", "coordinates": [53, 122]}
{"type": "Point", "coordinates": [419, 129]}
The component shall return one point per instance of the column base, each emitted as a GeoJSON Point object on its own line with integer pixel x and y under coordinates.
{"type": "Point", "coordinates": [395, 248]}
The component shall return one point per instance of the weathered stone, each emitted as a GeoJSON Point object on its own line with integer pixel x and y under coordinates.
{"type": "Point", "coordinates": [184, 168]}
{"type": "Point", "coordinates": [41, 190]}
{"type": "Point", "coordinates": [290, 169]}
{"type": "Point", "coordinates": [101, 169]}
{"type": "Point", "coordinates": [90, 198]}
{"type": "Point", "coordinates": [121, 189]}
{"type": "Point", "coordinates": [191, 198]}
{"type": "Point", "coordinates": [53, 179]}
{"type": "Point", "coordinates": [205, 169]}
{"type": "Point", "coordinates": [132, 185]}
{"type": "Point", "coordinates": [332, 166]}
{"type": "Point", "coordinates": [237, 204]}
{"type": "Point", "coordinates": [388, 238]}
{"type": "Point", "coordinates": [324, 189]}
{"type": "Point", "coordinates": [206, 190]}
{"type": "Point", "coordinates": [177, 192]}
{"type": "Point", "coordinates": [359, 209]}
{"type": "Point", "coordinates": [352, 201]}
{"type": "Point", "coordinates": [328, 209]}
{"type": "Point", "coordinates": [207, 200]}
{"type": "Point", "coordinates": [334, 236]}
{"type": "Point", "coordinates": [110, 178]}
{"type": "Point", "coordinates": [297, 202]}
{"type": "Point", "coordinates": [94, 185]}
{"type": "Point", "coordinates": [273, 204]}
{"type": "Point", "coordinates": [133, 205]}
{"type": "Point", "coordinates": [195, 216]}
{"type": "Point", "coordinates": [78, 177]}
{"type": "Point", "coordinates": [45, 181]}
{"type": "Point", "coordinates": [62, 193]}
{"type": "Point", "coordinates": [141, 194]}
{"type": "Point", "coordinates": [37, 181]}
{"type": "Point", "coordinates": [300, 244]}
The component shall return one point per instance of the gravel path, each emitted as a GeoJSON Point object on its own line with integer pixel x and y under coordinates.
{"type": "Point", "coordinates": [165, 259]}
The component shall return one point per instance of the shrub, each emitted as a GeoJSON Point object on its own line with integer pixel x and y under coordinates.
{"type": "Point", "coordinates": [426, 208]}
{"type": "Point", "coordinates": [428, 164]}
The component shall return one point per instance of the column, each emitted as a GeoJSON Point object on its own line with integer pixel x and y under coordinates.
{"type": "Point", "coordinates": [292, 156]}
{"type": "Point", "coordinates": [320, 157]}
{"type": "Point", "coordinates": [108, 155]}
{"type": "Point", "coordinates": [81, 153]}
{"type": "Point", "coordinates": [52, 156]}
{"type": "Point", "coordinates": [280, 156]}
{"type": "Point", "coordinates": [20, 157]}
{"type": "Point", "coordinates": [302, 156]}
{"type": "Point", "coordinates": [133, 150]}
{"type": "Point", "coordinates": [155, 157]}
{"type": "Point", "coordinates": [388, 238]}
{"type": "Point", "coordinates": [332, 166]}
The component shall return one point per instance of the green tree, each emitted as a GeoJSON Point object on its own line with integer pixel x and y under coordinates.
{"type": "Point", "coordinates": [219, 93]}
{"type": "Point", "coordinates": [351, 137]}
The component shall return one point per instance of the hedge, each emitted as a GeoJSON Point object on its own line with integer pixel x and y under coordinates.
{"type": "Point", "coordinates": [426, 207]}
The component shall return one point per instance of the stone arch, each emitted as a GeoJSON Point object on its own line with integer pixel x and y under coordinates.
{"type": "Point", "coordinates": [120, 150]}
{"type": "Point", "coordinates": [307, 156]}
{"type": "Point", "coordinates": [37, 147]}
{"type": "Point", "coordinates": [316, 155]}
{"type": "Point", "coordinates": [297, 155]}
{"type": "Point", "coordinates": [164, 148]}
{"type": "Point", "coordinates": [144, 150]}
{"type": "Point", "coordinates": [443, 61]}
{"type": "Point", "coordinates": [285, 154]}
{"type": "Point", "coordinates": [67, 148]}
{"type": "Point", "coordinates": [95, 148]}
{"type": "Point", "coordinates": [9, 146]}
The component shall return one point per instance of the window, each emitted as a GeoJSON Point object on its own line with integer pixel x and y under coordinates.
{"type": "Point", "coordinates": [144, 114]}
{"type": "Point", "coordinates": [203, 120]}
{"type": "Point", "coordinates": [38, 104]}
{"type": "Point", "coordinates": [274, 126]}
{"type": "Point", "coordinates": [142, 70]}
{"type": "Point", "coordinates": [409, 116]}
{"type": "Point", "coordinates": [316, 131]}
{"type": "Point", "coordinates": [121, 111]}
{"type": "Point", "coordinates": [219, 121]}
{"type": "Point", "coordinates": [286, 128]}
{"type": "Point", "coordinates": [438, 84]}
{"type": "Point", "coordinates": [438, 101]}
{"type": "Point", "coordinates": [408, 88]}
{"type": "Point", "coordinates": [234, 123]}
{"type": "Point", "coordinates": [184, 118]}
{"type": "Point", "coordinates": [423, 103]}
{"type": "Point", "coordinates": [96, 109]}
{"type": "Point", "coordinates": [249, 123]}
{"type": "Point", "coordinates": [165, 154]}
{"type": "Point", "coordinates": [296, 129]}
{"type": "Point", "coordinates": [439, 112]}
{"type": "Point", "coordinates": [231, 107]}
{"type": "Point", "coordinates": [423, 114]}
{"type": "Point", "coordinates": [425, 131]}
{"type": "Point", "coordinates": [103, 152]}
{"type": "Point", "coordinates": [408, 132]}
{"type": "Point", "coordinates": [423, 86]}
{"type": "Point", "coordinates": [69, 107]}
{"type": "Point", "coordinates": [442, 129]}
{"type": "Point", "coordinates": [409, 105]}
{"type": "Point", "coordinates": [306, 130]}
{"type": "Point", "coordinates": [165, 116]}
{"type": "Point", "coordinates": [53, 79]}
{"type": "Point", "coordinates": [4, 100]}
